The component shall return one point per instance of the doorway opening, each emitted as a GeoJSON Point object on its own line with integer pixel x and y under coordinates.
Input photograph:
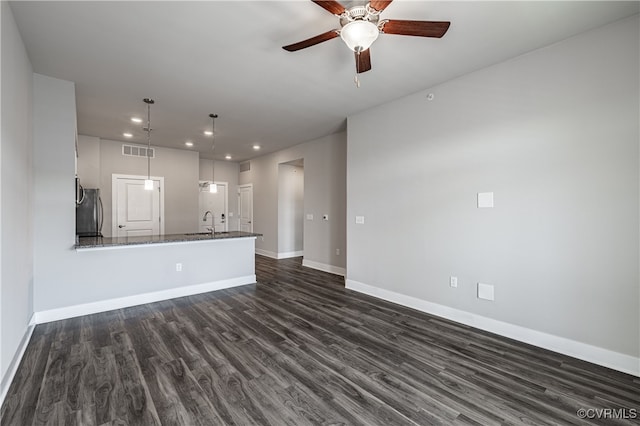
{"type": "Point", "coordinates": [291, 209]}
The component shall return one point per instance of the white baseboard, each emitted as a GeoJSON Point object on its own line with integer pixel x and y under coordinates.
{"type": "Point", "coordinates": [324, 267]}
{"type": "Point", "coordinates": [288, 254]}
{"type": "Point", "coordinates": [282, 255]}
{"type": "Point", "coordinates": [596, 355]}
{"type": "Point", "coordinates": [15, 362]}
{"type": "Point", "coordinates": [139, 299]}
{"type": "Point", "coordinates": [267, 253]}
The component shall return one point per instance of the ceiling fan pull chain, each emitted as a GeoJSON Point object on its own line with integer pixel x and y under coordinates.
{"type": "Point", "coordinates": [355, 79]}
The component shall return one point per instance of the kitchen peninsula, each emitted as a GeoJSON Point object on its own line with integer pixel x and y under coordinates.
{"type": "Point", "coordinates": [98, 243]}
{"type": "Point", "coordinates": [114, 273]}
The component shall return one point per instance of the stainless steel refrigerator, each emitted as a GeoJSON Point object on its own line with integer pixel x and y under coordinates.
{"type": "Point", "coordinates": [89, 214]}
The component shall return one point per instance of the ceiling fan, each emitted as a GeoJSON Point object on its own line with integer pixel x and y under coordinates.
{"type": "Point", "coordinates": [361, 25]}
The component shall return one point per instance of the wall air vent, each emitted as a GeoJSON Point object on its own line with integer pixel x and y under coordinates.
{"type": "Point", "coordinates": [246, 166]}
{"type": "Point", "coordinates": [138, 151]}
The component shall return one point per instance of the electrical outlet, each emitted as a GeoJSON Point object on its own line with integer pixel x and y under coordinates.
{"type": "Point", "coordinates": [178, 267]}
{"type": "Point", "coordinates": [360, 220]}
{"type": "Point", "coordinates": [453, 281]}
{"type": "Point", "coordinates": [337, 252]}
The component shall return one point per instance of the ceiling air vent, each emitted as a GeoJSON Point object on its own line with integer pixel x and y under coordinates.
{"type": "Point", "coordinates": [138, 151]}
{"type": "Point", "coordinates": [246, 166]}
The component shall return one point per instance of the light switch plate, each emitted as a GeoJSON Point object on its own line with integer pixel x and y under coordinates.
{"type": "Point", "coordinates": [309, 217]}
{"type": "Point", "coordinates": [485, 291]}
{"type": "Point", "coordinates": [485, 200]}
{"type": "Point", "coordinates": [360, 220]}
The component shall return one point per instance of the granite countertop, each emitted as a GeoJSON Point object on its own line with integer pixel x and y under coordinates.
{"type": "Point", "coordinates": [106, 242]}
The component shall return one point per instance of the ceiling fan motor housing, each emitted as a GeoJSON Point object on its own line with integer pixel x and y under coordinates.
{"type": "Point", "coordinates": [359, 13]}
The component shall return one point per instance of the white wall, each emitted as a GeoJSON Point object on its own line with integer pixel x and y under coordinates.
{"type": "Point", "coordinates": [324, 193]}
{"type": "Point", "coordinates": [89, 161]}
{"type": "Point", "coordinates": [16, 198]}
{"type": "Point", "coordinates": [554, 134]}
{"type": "Point", "coordinates": [54, 123]}
{"type": "Point", "coordinates": [290, 209]}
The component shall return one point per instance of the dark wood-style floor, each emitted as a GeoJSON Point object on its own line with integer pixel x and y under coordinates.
{"type": "Point", "coordinates": [297, 349]}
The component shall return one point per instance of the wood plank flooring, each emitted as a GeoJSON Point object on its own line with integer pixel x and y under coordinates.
{"type": "Point", "coordinates": [299, 349]}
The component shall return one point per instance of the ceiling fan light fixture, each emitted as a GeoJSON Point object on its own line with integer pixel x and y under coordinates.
{"type": "Point", "coordinates": [359, 35]}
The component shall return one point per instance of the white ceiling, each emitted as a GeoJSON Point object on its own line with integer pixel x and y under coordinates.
{"type": "Point", "coordinates": [225, 57]}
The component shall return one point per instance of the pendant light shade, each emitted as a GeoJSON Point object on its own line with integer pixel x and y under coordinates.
{"type": "Point", "coordinates": [213, 187]}
{"type": "Point", "coordinates": [148, 183]}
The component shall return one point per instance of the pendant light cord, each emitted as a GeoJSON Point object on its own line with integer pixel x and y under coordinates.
{"type": "Point", "coordinates": [149, 102]}
{"type": "Point", "coordinates": [356, 79]}
{"type": "Point", "coordinates": [213, 146]}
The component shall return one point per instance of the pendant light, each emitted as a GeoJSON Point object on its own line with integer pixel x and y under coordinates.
{"type": "Point", "coordinates": [213, 187]}
{"type": "Point", "coordinates": [148, 183]}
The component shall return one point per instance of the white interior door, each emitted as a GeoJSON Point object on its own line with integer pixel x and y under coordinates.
{"type": "Point", "coordinates": [136, 211]}
{"type": "Point", "coordinates": [245, 207]}
{"type": "Point", "coordinates": [216, 203]}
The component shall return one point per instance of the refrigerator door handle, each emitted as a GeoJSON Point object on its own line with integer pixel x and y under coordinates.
{"type": "Point", "coordinates": [100, 215]}
{"type": "Point", "coordinates": [80, 195]}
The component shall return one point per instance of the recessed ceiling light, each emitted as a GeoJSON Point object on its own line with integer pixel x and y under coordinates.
{"type": "Point", "coordinates": [256, 147]}
{"type": "Point", "coordinates": [228, 157]}
{"type": "Point", "coordinates": [188, 143]}
{"type": "Point", "coordinates": [127, 135]}
{"type": "Point", "coordinates": [208, 132]}
{"type": "Point", "coordinates": [136, 119]}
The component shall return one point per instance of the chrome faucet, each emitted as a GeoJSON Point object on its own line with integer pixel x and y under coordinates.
{"type": "Point", "coordinates": [213, 225]}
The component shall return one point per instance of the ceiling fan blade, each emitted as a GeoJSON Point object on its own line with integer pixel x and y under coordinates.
{"type": "Point", "coordinates": [415, 28]}
{"type": "Point", "coordinates": [363, 61]}
{"type": "Point", "coordinates": [331, 6]}
{"type": "Point", "coordinates": [311, 41]}
{"type": "Point", "coordinates": [379, 5]}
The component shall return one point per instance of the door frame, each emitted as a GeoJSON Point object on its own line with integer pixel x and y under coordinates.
{"type": "Point", "coordinates": [246, 185]}
{"type": "Point", "coordinates": [114, 199]}
{"type": "Point", "coordinates": [226, 201]}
